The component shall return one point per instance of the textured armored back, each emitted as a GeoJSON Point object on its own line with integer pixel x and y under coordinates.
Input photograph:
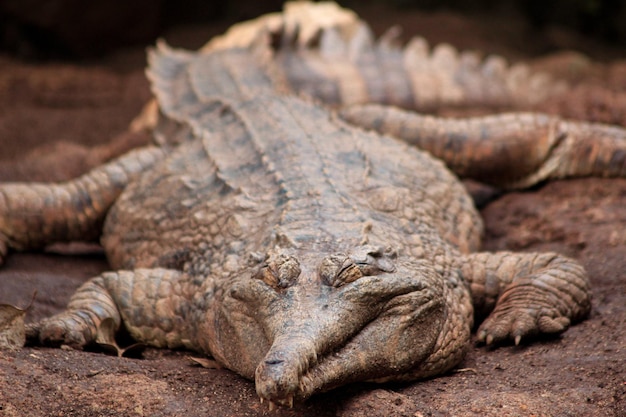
{"type": "Point", "coordinates": [179, 78]}
{"type": "Point", "coordinates": [329, 53]}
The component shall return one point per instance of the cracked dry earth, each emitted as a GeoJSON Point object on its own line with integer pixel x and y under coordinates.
{"type": "Point", "coordinates": [56, 120]}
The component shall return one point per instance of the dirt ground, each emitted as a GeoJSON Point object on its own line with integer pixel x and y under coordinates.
{"type": "Point", "coordinates": [57, 119]}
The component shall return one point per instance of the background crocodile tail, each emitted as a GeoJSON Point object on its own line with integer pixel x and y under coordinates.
{"type": "Point", "coordinates": [329, 53]}
{"type": "Point", "coordinates": [360, 69]}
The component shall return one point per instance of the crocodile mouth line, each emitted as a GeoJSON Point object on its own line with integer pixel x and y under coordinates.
{"type": "Point", "coordinates": [312, 378]}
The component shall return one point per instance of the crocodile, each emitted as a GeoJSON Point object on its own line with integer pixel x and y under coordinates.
{"type": "Point", "coordinates": [296, 249]}
{"type": "Point", "coordinates": [329, 53]}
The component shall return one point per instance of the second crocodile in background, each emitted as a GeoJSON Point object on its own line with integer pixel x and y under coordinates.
{"type": "Point", "coordinates": [297, 250]}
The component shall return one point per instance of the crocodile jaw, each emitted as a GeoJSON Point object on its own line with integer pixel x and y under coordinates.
{"type": "Point", "coordinates": [388, 340]}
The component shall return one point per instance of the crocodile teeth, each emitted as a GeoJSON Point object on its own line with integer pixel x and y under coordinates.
{"type": "Point", "coordinates": [287, 402]}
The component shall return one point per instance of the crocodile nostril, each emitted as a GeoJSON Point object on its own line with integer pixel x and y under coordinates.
{"type": "Point", "coordinates": [273, 361]}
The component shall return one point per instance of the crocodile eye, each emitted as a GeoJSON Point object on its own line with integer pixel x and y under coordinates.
{"type": "Point", "coordinates": [280, 273]}
{"type": "Point", "coordinates": [266, 275]}
{"type": "Point", "coordinates": [340, 269]}
{"type": "Point", "coordinates": [349, 272]}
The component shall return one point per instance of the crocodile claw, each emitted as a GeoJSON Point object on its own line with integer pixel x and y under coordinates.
{"type": "Point", "coordinates": [519, 324]}
{"type": "Point", "coordinates": [488, 339]}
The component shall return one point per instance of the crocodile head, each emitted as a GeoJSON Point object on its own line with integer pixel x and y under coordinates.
{"type": "Point", "coordinates": [304, 323]}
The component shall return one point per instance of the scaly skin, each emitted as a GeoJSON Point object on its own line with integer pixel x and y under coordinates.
{"type": "Point", "coordinates": [295, 249]}
{"type": "Point", "coordinates": [329, 53]}
{"type": "Point", "coordinates": [33, 215]}
{"type": "Point", "coordinates": [488, 148]}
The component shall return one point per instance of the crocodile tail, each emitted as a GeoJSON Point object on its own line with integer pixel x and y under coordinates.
{"type": "Point", "coordinates": [359, 69]}
{"type": "Point", "coordinates": [327, 52]}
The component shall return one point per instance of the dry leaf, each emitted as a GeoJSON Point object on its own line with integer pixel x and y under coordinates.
{"type": "Point", "coordinates": [12, 331]}
{"type": "Point", "coordinates": [205, 362]}
{"type": "Point", "coordinates": [105, 338]}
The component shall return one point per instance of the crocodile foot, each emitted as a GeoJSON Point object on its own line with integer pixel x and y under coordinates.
{"type": "Point", "coordinates": [68, 328]}
{"type": "Point", "coordinates": [521, 313]}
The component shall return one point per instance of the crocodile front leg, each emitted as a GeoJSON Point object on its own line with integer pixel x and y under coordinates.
{"type": "Point", "coordinates": [525, 294]}
{"type": "Point", "coordinates": [514, 150]}
{"type": "Point", "coordinates": [151, 303]}
{"type": "Point", "coordinates": [33, 215]}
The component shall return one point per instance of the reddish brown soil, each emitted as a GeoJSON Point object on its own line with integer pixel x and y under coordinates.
{"type": "Point", "coordinates": [53, 118]}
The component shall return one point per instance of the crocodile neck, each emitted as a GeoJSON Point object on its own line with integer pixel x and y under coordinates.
{"type": "Point", "coordinates": [306, 155]}
{"type": "Point", "coordinates": [321, 205]}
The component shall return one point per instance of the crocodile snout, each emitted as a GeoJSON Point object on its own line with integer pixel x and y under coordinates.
{"type": "Point", "coordinates": [279, 374]}
{"type": "Point", "coordinates": [276, 380]}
